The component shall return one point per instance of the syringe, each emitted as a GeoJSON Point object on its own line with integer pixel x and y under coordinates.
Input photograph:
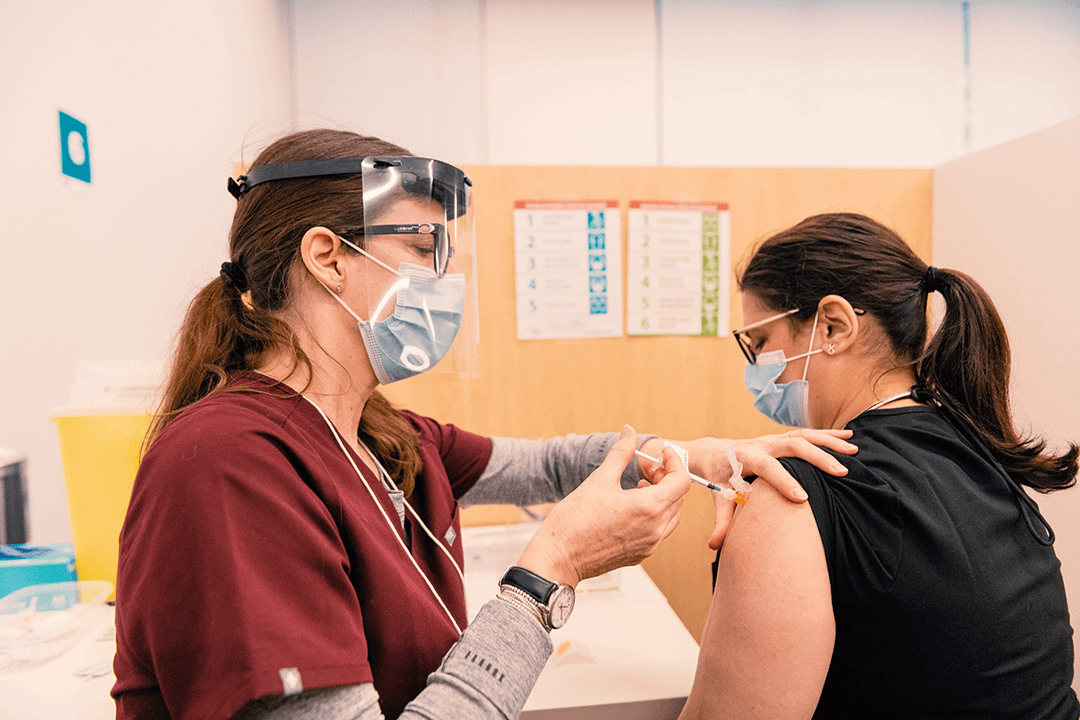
{"type": "Point", "coordinates": [727, 493]}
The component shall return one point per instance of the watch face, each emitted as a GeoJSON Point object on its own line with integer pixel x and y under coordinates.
{"type": "Point", "coordinates": [562, 604]}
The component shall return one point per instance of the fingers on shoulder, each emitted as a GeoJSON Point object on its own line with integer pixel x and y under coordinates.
{"type": "Point", "coordinates": [773, 473]}
{"type": "Point", "coordinates": [835, 440]}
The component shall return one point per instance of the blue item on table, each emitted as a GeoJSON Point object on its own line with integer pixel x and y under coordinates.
{"type": "Point", "coordinates": [25, 565]}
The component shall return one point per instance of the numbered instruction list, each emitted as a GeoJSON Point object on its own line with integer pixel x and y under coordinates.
{"type": "Point", "coordinates": [678, 265]}
{"type": "Point", "coordinates": [568, 269]}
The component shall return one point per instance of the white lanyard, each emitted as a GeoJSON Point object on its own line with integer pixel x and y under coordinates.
{"type": "Point", "coordinates": [393, 528]}
{"type": "Point", "coordinates": [390, 487]}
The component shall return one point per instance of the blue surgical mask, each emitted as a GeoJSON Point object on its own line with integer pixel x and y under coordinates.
{"type": "Point", "coordinates": [427, 316]}
{"type": "Point", "coordinates": [786, 403]}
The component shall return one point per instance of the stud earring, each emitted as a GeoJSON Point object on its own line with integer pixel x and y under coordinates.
{"type": "Point", "coordinates": [340, 287]}
{"type": "Point", "coordinates": [832, 348]}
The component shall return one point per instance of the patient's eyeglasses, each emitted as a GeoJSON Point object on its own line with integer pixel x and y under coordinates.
{"type": "Point", "coordinates": [744, 344]}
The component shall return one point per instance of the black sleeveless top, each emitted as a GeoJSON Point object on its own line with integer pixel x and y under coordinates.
{"type": "Point", "coordinates": [946, 602]}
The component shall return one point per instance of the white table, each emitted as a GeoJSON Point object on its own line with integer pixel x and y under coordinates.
{"type": "Point", "coordinates": [52, 690]}
{"type": "Point", "coordinates": [624, 653]}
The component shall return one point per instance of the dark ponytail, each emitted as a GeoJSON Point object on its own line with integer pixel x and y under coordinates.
{"type": "Point", "coordinates": [966, 362]}
{"type": "Point", "coordinates": [232, 324]}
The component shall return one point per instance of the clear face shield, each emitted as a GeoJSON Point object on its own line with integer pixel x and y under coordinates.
{"type": "Point", "coordinates": [418, 231]}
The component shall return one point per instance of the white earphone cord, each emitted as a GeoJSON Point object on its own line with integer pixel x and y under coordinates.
{"type": "Point", "coordinates": [386, 517]}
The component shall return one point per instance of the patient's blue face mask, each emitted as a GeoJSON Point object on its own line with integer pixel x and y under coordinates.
{"type": "Point", "coordinates": [427, 315]}
{"type": "Point", "coordinates": [786, 403]}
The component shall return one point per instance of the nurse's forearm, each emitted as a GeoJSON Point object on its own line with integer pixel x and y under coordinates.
{"type": "Point", "coordinates": [529, 472]}
{"type": "Point", "coordinates": [491, 670]}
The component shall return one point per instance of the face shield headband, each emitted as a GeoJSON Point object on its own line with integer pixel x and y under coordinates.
{"type": "Point", "coordinates": [382, 176]}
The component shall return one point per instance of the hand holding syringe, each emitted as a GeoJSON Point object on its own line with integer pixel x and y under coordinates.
{"type": "Point", "coordinates": [742, 487]}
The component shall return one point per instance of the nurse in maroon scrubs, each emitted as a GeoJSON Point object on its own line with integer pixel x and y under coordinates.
{"type": "Point", "coordinates": [292, 546]}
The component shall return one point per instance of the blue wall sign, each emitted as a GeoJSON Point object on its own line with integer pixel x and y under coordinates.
{"type": "Point", "coordinates": [74, 148]}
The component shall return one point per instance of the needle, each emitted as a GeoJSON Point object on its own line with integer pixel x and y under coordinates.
{"type": "Point", "coordinates": [728, 493]}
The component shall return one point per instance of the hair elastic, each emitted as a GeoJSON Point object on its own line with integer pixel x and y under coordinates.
{"type": "Point", "coordinates": [233, 274]}
{"type": "Point", "coordinates": [930, 280]}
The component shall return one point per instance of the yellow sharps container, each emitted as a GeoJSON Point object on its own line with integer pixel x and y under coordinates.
{"type": "Point", "coordinates": [100, 454]}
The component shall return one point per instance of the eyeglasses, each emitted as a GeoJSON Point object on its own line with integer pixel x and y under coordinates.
{"type": "Point", "coordinates": [442, 250]}
{"type": "Point", "coordinates": [744, 345]}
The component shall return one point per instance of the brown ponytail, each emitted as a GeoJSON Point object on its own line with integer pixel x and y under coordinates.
{"type": "Point", "coordinates": [966, 362]}
{"type": "Point", "coordinates": [232, 324]}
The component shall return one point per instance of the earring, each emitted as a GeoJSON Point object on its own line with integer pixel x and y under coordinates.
{"type": "Point", "coordinates": [340, 287]}
{"type": "Point", "coordinates": [832, 348]}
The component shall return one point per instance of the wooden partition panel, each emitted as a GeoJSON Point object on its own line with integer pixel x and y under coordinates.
{"type": "Point", "coordinates": [676, 387]}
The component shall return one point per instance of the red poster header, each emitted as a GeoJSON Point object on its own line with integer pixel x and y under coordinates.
{"type": "Point", "coordinates": [593, 205]}
{"type": "Point", "coordinates": [660, 205]}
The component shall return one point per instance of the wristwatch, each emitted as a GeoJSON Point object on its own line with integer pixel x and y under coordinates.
{"type": "Point", "coordinates": [553, 602]}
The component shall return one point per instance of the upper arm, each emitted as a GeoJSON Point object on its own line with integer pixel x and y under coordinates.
{"type": "Point", "coordinates": [768, 639]}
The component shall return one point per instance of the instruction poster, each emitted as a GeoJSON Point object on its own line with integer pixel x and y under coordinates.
{"type": "Point", "coordinates": [568, 269]}
{"type": "Point", "coordinates": [678, 264]}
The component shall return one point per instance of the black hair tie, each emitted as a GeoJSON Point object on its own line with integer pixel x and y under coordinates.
{"type": "Point", "coordinates": [930, 280]}
{"type": "Point", "coordinates": [233, 274]}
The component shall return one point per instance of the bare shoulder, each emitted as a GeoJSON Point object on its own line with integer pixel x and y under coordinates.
{"type": "Point", "coordinates": [769, 636]}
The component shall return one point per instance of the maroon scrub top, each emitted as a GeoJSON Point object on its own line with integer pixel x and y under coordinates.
{"type": "Point", "coordinates": [251, 546]}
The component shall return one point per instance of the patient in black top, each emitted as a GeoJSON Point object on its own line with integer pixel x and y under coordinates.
{"type": "Point", "coordinates": [923, 584]}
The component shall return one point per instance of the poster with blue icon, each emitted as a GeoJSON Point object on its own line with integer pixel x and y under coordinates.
{"type": "Point", "coordinates": [568, 269]}
{"type": "Point", "coordinates": [74, 148]}
{"type": "Point", "coordinates": [678, 262]}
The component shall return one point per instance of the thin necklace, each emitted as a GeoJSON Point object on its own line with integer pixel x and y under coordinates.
{"type": "Point", "coordinates": [886, 401]}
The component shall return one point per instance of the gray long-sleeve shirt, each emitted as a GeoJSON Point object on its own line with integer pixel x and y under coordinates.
{"type": "Point", "coordinates": [489, 673]}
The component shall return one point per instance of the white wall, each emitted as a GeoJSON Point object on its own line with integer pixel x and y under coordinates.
{"type": "Point", "coordinates": [859, 83]}
{"type": "Point", "coordinates": [103, 271]}
{"type": "Point", "coordinates": [408, 71]}
{"type": "Point", "coordinates": [502, 82]}
{"type": "Point", "coordinates": [571, 83]}
{"type": "Point", "coordinates": [1009, 217]}
{"type": "Point", "coordinates": [830, 83]}
{"type": "Point", "coordinates": [1025, 60]}
{"type": "Point", "coordinates": [818, 83]}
